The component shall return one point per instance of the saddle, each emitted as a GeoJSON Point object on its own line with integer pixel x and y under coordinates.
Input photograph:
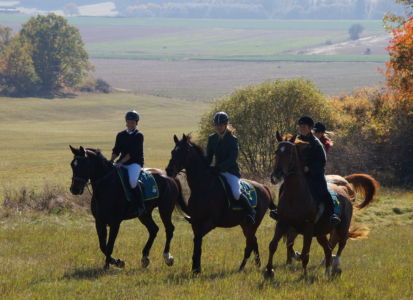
{"type": "Point", "coordinates": [247, 189]}
{"type": "Point", "coordinates": [146, 181]}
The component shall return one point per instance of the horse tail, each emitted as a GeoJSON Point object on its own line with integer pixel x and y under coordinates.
{"type": "Point", "coordinates": [365, 184]}
{"type": "Point", "coordinates": [358, 232]}
{"type": "Point", "coordinates": [180, 199]}
{"type": "Point", "coordinates": [272, 205]}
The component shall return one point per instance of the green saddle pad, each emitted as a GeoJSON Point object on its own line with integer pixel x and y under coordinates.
{"type": "Point", "coordinates": [150, 188]}
{"type": "Point", "coordinates": [247, 189]}
{"type": "Point", "coordinates": [336, 202]}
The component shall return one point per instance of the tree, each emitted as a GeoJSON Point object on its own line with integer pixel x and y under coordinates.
{"type": "Point", "coordinates": [257, 112]}
{"type": "Point", "coordinates": [5, 37]}
{"type": "Point", "coordinates": [58, 52]}
{"type": "Point", "coordinates": [17, 70]}
{"type": "Point", "coordinates": [355, 30]}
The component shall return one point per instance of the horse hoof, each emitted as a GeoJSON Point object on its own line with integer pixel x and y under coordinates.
{"type": "Point", "coordinates": [169, 259]}
{"type": "Point", "coordinates": [145, 262]}
{"type": "Point", "coordinates": [297, 256]}
{"type": "Point", "coordinates": [120, 263]}
{"type": "Point", "coordinates": [269, 274]}
{"type": "Point", "coordinates": [258, 263]}
{"type": "Point", "coordinates": [106, 266]}
{"type": "Point", "coordinates": [196, 271]}
{"type": "Point", "coordinates": [337, 272]}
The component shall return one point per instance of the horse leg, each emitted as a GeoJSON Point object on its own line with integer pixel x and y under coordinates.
{"type": "Point", "coordinates": [113, 233]}
{"type": "Point", "coordinates": [336, 260]}
{"type": "Point", "coordinates": [102, 235]}
{"type": "Point", "coordinates": [322, 240]}
{"type": "Point", "coordinates": [251, 244]}
{"type": "Point", "coordinates": [146, 219]}
{"type": "Point", "coordinates": [305, 253]}
{"type": "Point", "coordinates": [291, 236]}
{"type": "Point", "coordinates": [166, 215]}
{"type": "Point", "coordinates": [200, 230]}
{"type": "Point", "coordinates": [279, 231]}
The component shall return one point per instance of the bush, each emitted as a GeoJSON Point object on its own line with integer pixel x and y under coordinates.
{"type": "Point", "coordinates": [92, 85]}
{"type": "Point", "coordinates": [258, 111]}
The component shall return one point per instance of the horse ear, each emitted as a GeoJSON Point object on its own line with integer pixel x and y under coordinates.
{"type": "Point", "coordinates": [184, 137]}
{"type": "Point", "coordinates": [74, 151]}
{"type": "Point", "coordinates": [292, 140]}
{"type": "Point", "coordinates": [176, 140]}
{"type": "Point", "coordinates": [279, 138]}
{"type": "Point", "coordinates": [82, 150]}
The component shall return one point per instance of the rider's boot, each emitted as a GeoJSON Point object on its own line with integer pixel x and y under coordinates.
{"type": "Point", "coordinates": [250, 218]}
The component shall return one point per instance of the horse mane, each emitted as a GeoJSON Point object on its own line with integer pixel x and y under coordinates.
{"type": "Point", "coordinates": [198, 149]}
{"type": "Point", "coordinates": [97, 153]}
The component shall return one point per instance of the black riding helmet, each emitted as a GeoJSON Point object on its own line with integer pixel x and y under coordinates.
{"type": "Point", "coordinates": [132, 115]}
{"type": "Point", "coordinates": [306, 120]}
{"type": "Point", "coordinates": [221, 118]}
{"type": "Point", "coordinates": [319, 127]}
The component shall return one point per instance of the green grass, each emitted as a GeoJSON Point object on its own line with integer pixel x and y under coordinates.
{"type": "Point", "coordinates": [36, 133]}
{"type": "Point", "coordinates": [57, 257]}
{"type": "Point", "coordinates": [375, 25]}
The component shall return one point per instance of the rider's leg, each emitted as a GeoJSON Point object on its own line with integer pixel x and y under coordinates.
{"type": "Point", "coordinates": [234, 183]}
{"type": "Point", "coordinates": [136, 208]}
{"type": "Point", "coordinates": [321, 193]}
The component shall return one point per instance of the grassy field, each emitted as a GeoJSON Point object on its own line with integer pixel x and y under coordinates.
{"type": "Point", "coordinates": [57, 257]}
{"type": "Point", "coordinates": [35, 133]}
{"type": "Point", "coordinates": [54, 254]}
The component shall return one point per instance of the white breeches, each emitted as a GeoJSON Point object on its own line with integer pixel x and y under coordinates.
{"type": "Point", "coordinates": [134, 170]}
{"type": "Point", "coordinates": [234, 183]}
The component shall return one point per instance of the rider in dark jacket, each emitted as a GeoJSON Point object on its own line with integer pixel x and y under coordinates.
{"type": "Point", "coordinates": [314, 163]}
{"type": "Point", "coordinates": [224, 146]}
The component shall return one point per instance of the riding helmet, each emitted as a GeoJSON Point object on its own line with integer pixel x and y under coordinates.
{"type": "Point", "coordinates": [319, 127]}
{"type": "Point", "coordinates": [221, 118]}
{"type": "Point", "coordinates": [306, 120]}
{"type": "Point", "coordinates": [132, 115]}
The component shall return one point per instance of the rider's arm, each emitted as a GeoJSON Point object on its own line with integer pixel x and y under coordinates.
{"type": "Point", "coordinates": [318, 158]}
{"type": "Point", "coordinates": [210, 151]}
{"type": "Point", "coordinates": [116, 148]}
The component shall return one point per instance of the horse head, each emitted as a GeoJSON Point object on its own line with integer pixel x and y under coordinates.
{"type": "Point", "coordinates": [80, 169]}
{"type": "Point", "coordinates": [285, 157]}
{"type": "Point", "coordinates": [179, 155]}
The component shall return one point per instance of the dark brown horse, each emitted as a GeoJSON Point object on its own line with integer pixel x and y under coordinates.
{"type": "Point", "coordinates": [208, 204]}
{"type": "Point", "coordinates": [298, 211]}
{"type": "Point", "coordinates": [109, 205]}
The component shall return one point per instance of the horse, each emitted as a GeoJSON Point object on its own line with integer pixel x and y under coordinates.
{"type": "Point", "coordinates": [109, 204]}
{"type": "Point", "coordinates": [208, 205]}
{"type": "Point", "coordinates": [298, 211]}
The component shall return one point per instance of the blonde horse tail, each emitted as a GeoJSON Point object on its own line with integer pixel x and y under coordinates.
{"type": "Point", "coordinates": [358, 232]}
{"type": "Point", "coordinates": [366, 185]}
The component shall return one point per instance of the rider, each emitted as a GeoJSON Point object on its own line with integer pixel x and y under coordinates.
{"type": "Point", "coordinates": [224, 145]}
{"type": "Point", "coordinates": [321, 134]}
{"type": "Point", "coordinates": [129, 144]}
{"type": "Point", "coordinates": [314, 163]}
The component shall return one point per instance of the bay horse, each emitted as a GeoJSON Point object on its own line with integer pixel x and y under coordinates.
{"type": "Point", "coordinates": [208, 205]}
{"type": "Point", "coordinates": [109, 204]}
{"type": "Point", "coordinates": [297, 209]}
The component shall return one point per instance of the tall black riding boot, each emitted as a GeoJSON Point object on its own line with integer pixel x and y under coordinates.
{"type": "Point", "coordinates": [136, 207]}
{"type": "Point", "coordinates": [250, 219]}
{"type": "Point", "coordinates": [334, 218]}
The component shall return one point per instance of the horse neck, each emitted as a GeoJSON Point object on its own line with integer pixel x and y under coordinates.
{"type": "Point", "coordinates": [97, 170]}
{"type": "Point", "coordinates": [296, 187]}
{"type": "Point", "coordinates": [197, 173]}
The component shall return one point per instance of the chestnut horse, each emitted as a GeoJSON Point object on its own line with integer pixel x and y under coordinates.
{"type": "Point", "coordinates": [298, 210]}
{"type": "Point", "coordinates": [208, 203]}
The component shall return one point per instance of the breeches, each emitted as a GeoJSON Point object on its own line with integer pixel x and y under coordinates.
{"type": "Point", "coordinates": [234, 183]}
{"type": "Point", "coordinates": [134, 170]}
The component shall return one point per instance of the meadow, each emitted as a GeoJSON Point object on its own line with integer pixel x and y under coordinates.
{"type": "Point", "coordinates": [167, 57]}
{"type": "Point", "coordinates": [54, 254]}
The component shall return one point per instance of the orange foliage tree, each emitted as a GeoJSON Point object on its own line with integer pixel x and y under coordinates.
{"type": "Point", "coordinates": [399, 69]}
